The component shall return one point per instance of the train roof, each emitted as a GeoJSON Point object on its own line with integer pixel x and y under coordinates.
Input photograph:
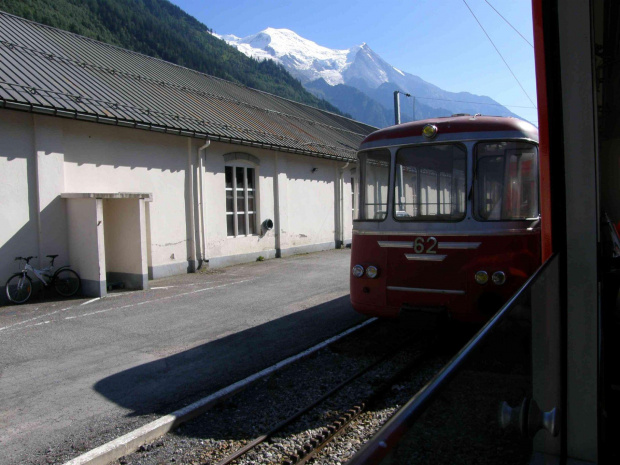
{"type": "Point", "coordinates": [457, 127]}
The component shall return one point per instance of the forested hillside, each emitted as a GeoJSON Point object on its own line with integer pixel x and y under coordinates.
{"type": "Point", "coordinates": [160, 29]}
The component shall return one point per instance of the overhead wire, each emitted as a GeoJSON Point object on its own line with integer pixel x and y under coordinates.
{"type": "Point", "coordinates": [499, 53]}
{"type": "Point", "coordinates": [476, 103]}
{"type": "Point", "coordinates": [508, 22]}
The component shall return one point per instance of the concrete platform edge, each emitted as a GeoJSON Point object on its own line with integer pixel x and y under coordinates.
{"type": "Point", "coordinates": [130, 442]}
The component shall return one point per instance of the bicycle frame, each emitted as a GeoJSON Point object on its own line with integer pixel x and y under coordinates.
{"type": "Point", "coordinates": [65, 281]}
{"type": "Point", "coordinates": [41, 274]}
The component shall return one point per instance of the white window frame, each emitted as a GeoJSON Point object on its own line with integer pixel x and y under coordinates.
{"type": "Point", "coordinates": [235, 189]}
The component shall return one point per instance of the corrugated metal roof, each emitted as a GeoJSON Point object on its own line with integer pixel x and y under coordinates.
{"type": "Point", "coordinates": [55, 72]}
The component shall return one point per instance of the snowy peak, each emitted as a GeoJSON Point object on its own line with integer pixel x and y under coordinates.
{"type": "Point", "coordinates": [309, 61]}
{"type": "Point", "coordinates": [369, 68]}
{"type": "Point", "coordinates": [358, 67]}
{"type": "Point", "coordinates": [303, 58]}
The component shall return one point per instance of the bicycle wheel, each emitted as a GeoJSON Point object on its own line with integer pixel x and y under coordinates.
{"type": "Point", "coordinates": [66, 282]}
{"type": "Point", "coordinates": [19, 288]}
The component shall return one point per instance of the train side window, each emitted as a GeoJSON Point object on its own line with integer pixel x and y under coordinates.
{"type": "Point", "coordinates": [506, 186]}
{"type": "Point", "coordinates": [374, 178]}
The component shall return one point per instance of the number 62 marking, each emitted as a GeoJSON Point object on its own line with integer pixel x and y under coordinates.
{"type": "Point", "coordinates": [418, 245]}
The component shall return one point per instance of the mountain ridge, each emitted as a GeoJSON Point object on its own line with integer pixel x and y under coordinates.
{"type": "Point", "coordinates": [361, 68]}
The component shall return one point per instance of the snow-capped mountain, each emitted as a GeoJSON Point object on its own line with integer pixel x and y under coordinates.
{"type": "Point", "coordinates": [304, 59]}
{"type": "Point", "coordinates": [361, 68]}
{"type": "Point", "coordinates": [309, 61]}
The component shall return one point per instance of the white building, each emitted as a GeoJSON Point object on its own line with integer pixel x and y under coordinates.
{"type": "Point", "coordinates": [131, 168]}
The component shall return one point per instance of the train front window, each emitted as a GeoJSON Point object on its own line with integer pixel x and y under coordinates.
{"type": "Point", "coordinates": [373, 185]}
{"type": "Point", "coordinates": [506, 181]}
{"type": "Point", "coordinates": [430, 183]}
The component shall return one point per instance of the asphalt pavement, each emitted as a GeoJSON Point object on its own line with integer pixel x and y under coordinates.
{"type": "Point", "coordinates": [77, 373]}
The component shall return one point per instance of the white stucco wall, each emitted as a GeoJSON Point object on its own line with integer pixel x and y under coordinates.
{"type": "Point", "coordinates": [86, 243]}
{"type": "Point", "coordinates": [106, 159]}
{"type": "Point", "coordinates": [18, 227]}
{"type": "Point", "coordinates": [218, 242]}
{"type": "Point", "coordinates": [125, 241]}
{"type": "Point", "coordinates": [49, 151]}
{"type": "Point", "coordinates": [71, 156]}
{"type": "Point", "coordinates": [312, 217]}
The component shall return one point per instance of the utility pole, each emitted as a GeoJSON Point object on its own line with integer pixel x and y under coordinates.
{"type": "Point", "coordinates": [397, 105]}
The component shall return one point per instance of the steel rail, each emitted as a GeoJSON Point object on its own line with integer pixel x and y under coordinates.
{"type": "Point", "coordinates": [266, 436]}
{"type": "Point", "coordinates": [318, 442]}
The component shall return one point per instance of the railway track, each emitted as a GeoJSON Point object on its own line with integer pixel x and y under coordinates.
{"type": "Point", "coordinates": [318, 440]}
{"type": "Point", "coordinates": [302, 414]}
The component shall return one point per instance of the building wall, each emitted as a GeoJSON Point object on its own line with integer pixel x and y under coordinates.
{"type": "Point", "coordinates": [85, 233]}
{"type": "Point", "coordinates": [311, 192]}
{"type": "Point", "coordinates": [125, 242]}
{"type": "Point", "coordinates": [108, 159]}
{"type": "Point", "coordinates": [18, 212]}
{"type": "Point", "coordinates": [48, 156]}
{"type": "Point", "coordinates": [221, 249]}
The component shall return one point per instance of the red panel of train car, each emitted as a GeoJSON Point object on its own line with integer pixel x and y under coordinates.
{"type": "Point", "coordinates": [447, 216]}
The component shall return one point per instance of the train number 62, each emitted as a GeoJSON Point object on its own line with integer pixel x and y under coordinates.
{"type": "Point", "coordinates": [418, 245]}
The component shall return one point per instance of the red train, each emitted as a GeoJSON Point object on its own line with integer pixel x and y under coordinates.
{"type": "Point", "coordinates": [447, 216]}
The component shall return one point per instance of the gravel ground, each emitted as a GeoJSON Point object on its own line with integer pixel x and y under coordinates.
{"type": "Point", "coordinates": [247, 415]}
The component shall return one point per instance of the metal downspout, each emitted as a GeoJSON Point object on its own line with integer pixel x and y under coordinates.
{"type": "Point", "coordinates": [192, 223]}
{"type": "Point", "coordinates": [276, 213]}
{"type": "Point", "coordinates": [203, 232]}
{"type": "Point", "coordinates": [341, 180]}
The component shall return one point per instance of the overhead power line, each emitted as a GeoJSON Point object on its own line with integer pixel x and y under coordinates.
{"type": "Point", "coordinates": [508, 22]}
{"type": "Point", "coordinates": [499, 53]}
{"type": "Point", "coordinates": [477, 103]}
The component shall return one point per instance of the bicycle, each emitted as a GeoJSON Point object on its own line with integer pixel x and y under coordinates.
{"type": "Point", "coordinates": [65, 281]}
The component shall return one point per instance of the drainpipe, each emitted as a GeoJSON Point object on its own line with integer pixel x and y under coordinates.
{"type": "Point", "coordinates": [342, 202]}
{"type": "Point", "coordinates": [276, 209]}
{"type": "Point", "coordinates": [192, 223]}
{"type": "Point", "coordinates": [203, 233]}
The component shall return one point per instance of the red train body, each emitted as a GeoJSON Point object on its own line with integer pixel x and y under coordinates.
{"type": "Point", "coordinates": [447, 216]}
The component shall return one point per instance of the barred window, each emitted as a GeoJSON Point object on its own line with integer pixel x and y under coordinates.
{"type": "Point", "coordinates": [240, 201]}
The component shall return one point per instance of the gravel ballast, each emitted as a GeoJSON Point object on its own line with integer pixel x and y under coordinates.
{"type": "Point", "coordinates": [251, 413]}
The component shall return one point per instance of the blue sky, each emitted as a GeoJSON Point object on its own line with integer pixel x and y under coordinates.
{"type": "Point", "coordinates": [439, 40]}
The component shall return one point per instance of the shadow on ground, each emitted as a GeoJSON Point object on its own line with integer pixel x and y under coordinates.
{"type": "Point", "coordinates": [169, 383]}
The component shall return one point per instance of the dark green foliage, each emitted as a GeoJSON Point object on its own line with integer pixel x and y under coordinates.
{"type": "Point", "coordinates": [160, 29]}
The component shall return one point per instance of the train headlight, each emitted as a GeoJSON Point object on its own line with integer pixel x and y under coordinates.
{"type": "Point", "coordinates": [499, 278]}
{"type": "Point", "coordinates": [358, 271]}
{"type": "Point", "coordinates": [482, 277]}
{"type": "Point", "coordinates": [372, 271]}
{"type": "Point", "coordinates": [429, 131]}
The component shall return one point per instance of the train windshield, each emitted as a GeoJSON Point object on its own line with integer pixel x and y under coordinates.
{"type": "Point", "coordinates": [374, 168]}
{"type": "Point", "coordinates": [430, 183]}
{"type": "Point", "coordinates": [506, 182]}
